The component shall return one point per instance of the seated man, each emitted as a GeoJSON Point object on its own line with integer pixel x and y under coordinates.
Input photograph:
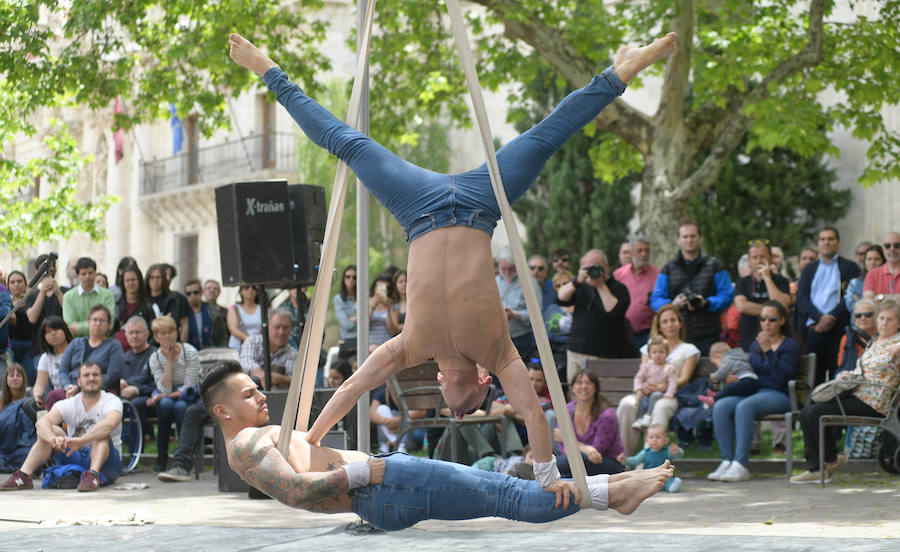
{"type": "Point", "coordinates": [282, 354]}
{"type": "Point", "coordinates": [455, 316]}
{"type": "Point", "coordinates": [191, 431]}
{"type": "Point", "coordinates": [92, 438]}
{"type": "Point", "coordinates": [326, 480]}
{"type": "Point", "coordinates": [502, 407]}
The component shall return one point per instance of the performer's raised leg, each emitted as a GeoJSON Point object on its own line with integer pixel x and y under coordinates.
{"type": "Point", "coordinates": [522, 159]}
{"type": "Point", "coordinates": [396, 183]}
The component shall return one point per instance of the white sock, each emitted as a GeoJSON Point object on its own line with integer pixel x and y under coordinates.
{"type": "Point", "coordinates": [598, 485]}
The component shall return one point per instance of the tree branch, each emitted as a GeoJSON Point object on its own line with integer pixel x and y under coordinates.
{"type": "Point", "coordinates": [678, 69]}
{"type": "Point", "coordinates": [619, 118]}
{"type": "Point", "coordinates": [738, 125]}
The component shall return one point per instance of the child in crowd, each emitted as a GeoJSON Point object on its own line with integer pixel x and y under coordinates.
{"type": "Point", "coordinates": [514, 465]}
{"type": "Point", "coordinates": [655, 379]}
{"type": "Point", "coordinates": [730, 361]}
{"type": "Point", "coordinates": [655, 454]}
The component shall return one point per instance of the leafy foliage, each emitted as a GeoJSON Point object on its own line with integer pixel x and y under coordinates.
{"type": "Point", "coordinates": [150, 54]}
{"type": "Point", "coordinates": [780, 196]}
{"type": "Point", "coordinates": [571, 205]}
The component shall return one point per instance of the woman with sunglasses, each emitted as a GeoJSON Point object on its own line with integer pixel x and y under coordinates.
{"type": "Point", "coordinates": [879, 365]}
{"type": "Point", "coordinates": [245, 317]}
{"type": "Point", "coordinates": [857, 336]}
{"type": "Point", "coordinates": [872, 259]}
{"type": "Point", "coordinates": [345, 311]}
{"type": "Point", "coordinates": [774, 355]}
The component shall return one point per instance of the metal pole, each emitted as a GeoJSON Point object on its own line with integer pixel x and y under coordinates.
{"type": "Point", "coordinates": [362, 249]}
{"type": "Point", "coordinates": [264, 316]}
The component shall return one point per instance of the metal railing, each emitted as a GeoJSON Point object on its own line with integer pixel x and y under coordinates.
{"type": "Point", "coordinates": [231, 160]}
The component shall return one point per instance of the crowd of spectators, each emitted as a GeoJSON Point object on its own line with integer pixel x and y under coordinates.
{"type": "Point", "coordinates": [140, 340]}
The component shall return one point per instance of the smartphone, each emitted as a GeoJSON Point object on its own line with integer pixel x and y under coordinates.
{"type": "Point", "coordinates": [381, 288]}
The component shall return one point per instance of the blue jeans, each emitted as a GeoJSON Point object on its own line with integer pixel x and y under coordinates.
{"type": "Point", "coordinates": [415, 489]}
{"type": "Point", "coordinates": [21, 353]}
{"type": "Point", "coordinates": [733, 419]}
{"type": "Point", "coordinates": [111, 469]}
{"type": "Point", "coordinates": [167, 410]}
{"type": "Point", "coordinates": [423, 200]}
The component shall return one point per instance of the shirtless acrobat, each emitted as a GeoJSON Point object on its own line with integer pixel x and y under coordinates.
{"type": "Point", "coordinates": [395, 491]}
{"type": "Point", "coordinates": [455, 316]}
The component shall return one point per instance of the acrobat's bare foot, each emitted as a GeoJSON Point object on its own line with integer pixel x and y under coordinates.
{"type": "Point", "coordinates": [248, 56]}
{"type": "Point", "coordinates": [627, 493]}
{"type": "Point", "coordinates": [631, 60]}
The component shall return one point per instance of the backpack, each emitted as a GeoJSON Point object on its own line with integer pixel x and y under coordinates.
{"type": "Point", "coordinates": [889, 453]}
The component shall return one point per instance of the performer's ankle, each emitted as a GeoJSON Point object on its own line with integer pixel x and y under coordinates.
{"type": "Point", "coordinates": [598, 485]}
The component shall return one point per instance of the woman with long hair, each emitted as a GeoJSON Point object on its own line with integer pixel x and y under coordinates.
{"type": "Point", "coordinates": [55, 338]}
{"type": "Point", "coordinates": [345, 311]}
{"type": "Point", "coordinates": [117, 286]}
{"type": "Point", "coordinates": [398, 302]}
{"type": "Point", "coordinates": [380, 323]}
{"type": "Point", "coordinates": [774, 356]}
{"type": "Point", "coordinates": [161, 298]}
{"type": "Point", "coordinates": [133, 302]}
{"type": "Point", "coordinates": [20, 328]}
{"type": "Point", "coordinates": [244, 317]}
{"type": "Point", "coordinates": [596, 428]}
{"type": "Point", "coordinates": [14, 385]}
{"type": "Point", "coordinates": [668, 324]}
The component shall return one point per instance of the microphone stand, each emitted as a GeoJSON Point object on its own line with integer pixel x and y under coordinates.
{"type": "Point", "coordinates": [38, 276]}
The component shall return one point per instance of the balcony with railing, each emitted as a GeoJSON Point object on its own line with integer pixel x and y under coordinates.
{"type": "Point", "coordinates": [232, 160]}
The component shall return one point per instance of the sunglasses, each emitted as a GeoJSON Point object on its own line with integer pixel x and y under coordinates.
{"type": "Point", "coordinates": [891, 245]}
{"type": "Point", "coordinates": [752, 243]}
{"type": "Point", "coordinates": [535, 267]}
{"type": "Point", "coordinates": [195, 292]}
{"type": "Point", "coordinates": [768, 319]}
{"type": "Point", "coordinates": [863, 314]}
{"type": "Point", "coordinates": [560, 259]}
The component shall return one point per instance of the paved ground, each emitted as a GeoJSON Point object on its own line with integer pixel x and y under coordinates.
{"type": "Point", "coordinates": [857, 512]}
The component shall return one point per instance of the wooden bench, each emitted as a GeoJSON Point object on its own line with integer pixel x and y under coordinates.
{"type": "Point", "coordinates": [617, 381]}
{"type": "Point", "coordinates": [417, 388]}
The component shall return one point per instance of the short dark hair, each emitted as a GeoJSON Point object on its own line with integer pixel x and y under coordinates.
{"type": "Point", "coordinates": [56, 323]}
{"type": "Point", "coordinates": [689, 222]}
{"type": "Point", "coordinates": [84, 262]}
{"type": "Point", "coordinates": [213, 383]}
{"type": "Point", "coordinates": [559, 252]}
{"type": "Point", "coordinates": [193, 282]}
{"type": "Point", "coordinates": [830, 229]}
{"type": "Point", "coordinates": [100, 307]}
{"type": "Point", "coordinates": [89, 363]}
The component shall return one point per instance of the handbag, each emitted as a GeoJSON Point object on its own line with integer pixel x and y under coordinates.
{"type": "Point", "coordinates": [824, 392]}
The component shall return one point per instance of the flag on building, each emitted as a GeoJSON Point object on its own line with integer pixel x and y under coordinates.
{"type": "Point", "coordinates": [119, 135]}
{"type": "Point", "coordinates": [177, 136]}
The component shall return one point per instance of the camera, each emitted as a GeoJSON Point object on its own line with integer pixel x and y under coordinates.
{"type": "Point", "coordinates": [595, 271]}
{"type": "Point", "coordinates": [694, 299]}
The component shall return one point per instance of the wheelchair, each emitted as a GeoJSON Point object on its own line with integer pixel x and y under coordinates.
{"type": "Point", "coordinates": [132, 437]}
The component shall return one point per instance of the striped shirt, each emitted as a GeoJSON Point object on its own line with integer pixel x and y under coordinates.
{"type": "Point", "coordinates": [185, 369]}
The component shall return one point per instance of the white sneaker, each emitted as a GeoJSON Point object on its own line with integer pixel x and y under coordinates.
{"type": "Point", "coordinates": [735, 472]}
{"type": "Point", "coordinates": [716, 475]}
{"type": "Point", "coordinates": [643, 422]}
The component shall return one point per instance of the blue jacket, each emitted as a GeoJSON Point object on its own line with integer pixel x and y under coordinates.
{"type": "Point", "coordinates": [776, 368]}
{"type": "Point", "coordinates": [704, 275]}
{"type": "Point", "coordinates": [5, 308]}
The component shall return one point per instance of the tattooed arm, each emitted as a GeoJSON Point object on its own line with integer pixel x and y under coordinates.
{"type": "Point", "coordinates": [255, 457]}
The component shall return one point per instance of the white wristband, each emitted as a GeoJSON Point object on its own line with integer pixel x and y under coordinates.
{"type": "Point", "coordinates": [546, 473]}
{"type": "Point", "coordinates": [358, 474]}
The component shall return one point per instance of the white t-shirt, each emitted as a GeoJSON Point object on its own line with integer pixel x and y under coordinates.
{"type": "Point", "coordinates": [49, 363]}
{"type": "Point", "coordinates": [677, 357]}
{"type": "Point", "coordinates": [78, 422]}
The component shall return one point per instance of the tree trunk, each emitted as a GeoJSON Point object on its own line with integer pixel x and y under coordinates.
{"type": "Point", "coordinates": [659, 212]}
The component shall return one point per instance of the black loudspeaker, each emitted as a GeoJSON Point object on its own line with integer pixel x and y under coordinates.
{"type": "Point", "coordinates": [270, 233]}
{"type": "Point", "coordinates": [255, 232]}
{"type": "Point", "coordinates": [308, 217]}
